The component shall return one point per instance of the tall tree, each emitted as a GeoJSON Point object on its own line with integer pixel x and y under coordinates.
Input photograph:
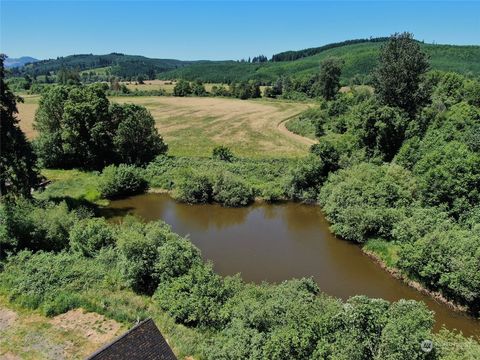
{"type": "Point", "coordinates": [398, 77]}
{"type": "Point", "coordinates": [18, 173]}
{"type": "Point", "coordinates": [330, 71]}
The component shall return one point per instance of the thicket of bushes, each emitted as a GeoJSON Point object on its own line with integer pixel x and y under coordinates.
{"type": "Point", "coordinates": [235, 320]}
{"type": "Point", "coordinates": [409, 183]}
{"type": "Point", "coordinates": [223, 188]}
{"type": "Point", "coordinates": [267, 178]}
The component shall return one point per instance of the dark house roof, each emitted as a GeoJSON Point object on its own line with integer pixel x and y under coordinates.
{"type": "Point", "coordinates": [143, 341]}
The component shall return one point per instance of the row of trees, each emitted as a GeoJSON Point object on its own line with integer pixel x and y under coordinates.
{"type": "Point", "coordinates": [242, 90]}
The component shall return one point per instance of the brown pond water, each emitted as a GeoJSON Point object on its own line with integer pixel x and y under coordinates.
{"type": "Point", "coordinates": [278, 242]}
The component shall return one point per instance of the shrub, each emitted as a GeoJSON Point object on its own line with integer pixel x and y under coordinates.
{"type": "Point", "coordinates": [450, 175]}
{"type": "Point", "coordinates": [177, 257]}
{"type": "Point", "coordinates": [222, 153]}
{"type": "Point", "coordinates": [49, 281]}
{"type": "Point", "coordinates": [198, 89]}
{"type": "Point", "coordinates": [122, 180]}
{"type": "Point", "coordinates": [88, 236]}
{"type": "Point", "coordinates": [366, 200]}
{"type": "Point", "coordinates": [25, 225]}
{"type": "Point", "coordinates": [182, 88]}
{"type": "Point", "coordinates": [306, 179]}
{"type": "Point", "coordinates": [446, 260]}
{"type": "Point", "coordinates": [139, 253]}
{"type": "Point", "coordinates": [195, 298]}
{"type": "Point", "coordinates": [229, 191]}
{"type": "Point", "coordinates": [193, 187]}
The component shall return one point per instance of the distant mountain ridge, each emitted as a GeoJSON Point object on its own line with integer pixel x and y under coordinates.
{"type": "Point", "coordinates": [18, 62]}
{"type": "Point", "coordinates": [121, 65]}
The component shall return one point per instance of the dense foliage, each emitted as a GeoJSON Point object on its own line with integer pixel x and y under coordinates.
{"type": "Point", "coordinates": [236, 320]}
{"type": "Point", "coordinates": [405, 180]}
{"type": "Point", "coordinates": [399, 73]}
{"type": "Point", "coordinates": [79, 128]}
{"type": "Point", "coordinates": [18, 172]}
{"type": "Point", "coordinates": [122, 180]}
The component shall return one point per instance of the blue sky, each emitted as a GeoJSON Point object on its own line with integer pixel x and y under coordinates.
{"type": "Point", "coordinates": [221, 29]}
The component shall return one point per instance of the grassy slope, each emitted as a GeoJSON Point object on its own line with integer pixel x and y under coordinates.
{"type": "Point", "coordinates": [359, 59]}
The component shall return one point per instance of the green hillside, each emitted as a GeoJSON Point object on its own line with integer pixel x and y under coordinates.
{"type": "Point", "coordinates": [121, 65]}
{"type": "Point", "coordinates": [359, 59]}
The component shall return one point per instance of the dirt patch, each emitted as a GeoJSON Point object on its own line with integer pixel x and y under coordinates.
{"type": "Point", "coordinates": [7, 318]}
{"type": "Point", "coordinates": [10, 356]}
{"type": "Point", "coordinates": [94, 327]}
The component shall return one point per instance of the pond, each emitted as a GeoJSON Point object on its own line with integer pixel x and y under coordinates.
{"type": "Point", "coordinates": [276, 242]}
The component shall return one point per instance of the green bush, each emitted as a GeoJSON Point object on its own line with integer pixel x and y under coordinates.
{"type": "Point", "coordinates": [49, 281]}
{"type": "Point", "coordinates": [367, 200]}
{"type": "Point", "coordinates": [88, 236]}
{"type": "Point", "coordinates": [182, 88]}
{"type": "Point", "coordinates": [25, 225]}
{"type": "Point", "coordinates": [122, 180]}
{"type": "Point", "coordinates": [193, 187]}
{"type": "Point", "coordinates": [307, 178]}
{"type": "Point", "coordinates": [222, 153]}
{"type": "Point", "coordinates": [446, 260]}
{"type": "Point", "coordinates": [195, 298]}
{"type": "Point", "coordinates": [229, 191]}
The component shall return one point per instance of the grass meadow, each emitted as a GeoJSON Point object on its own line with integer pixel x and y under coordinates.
{"type": "Point", "coordinates": [193, 126]}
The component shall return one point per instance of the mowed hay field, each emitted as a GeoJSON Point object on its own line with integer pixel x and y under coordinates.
{"type": "Point", "coordinates": [26, 114]}
{"type": "Point", "coordinates": [193, 126]}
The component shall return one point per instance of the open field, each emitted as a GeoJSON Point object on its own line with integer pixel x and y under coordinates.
{"type": "Point", "coordinates": [27, 334]}
{"type": "Point", "coordinates": [194, 126]}
{"type": "Point", "coordinates": [26, 114]}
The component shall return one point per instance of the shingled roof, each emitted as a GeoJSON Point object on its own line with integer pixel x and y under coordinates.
{"type": "Point", "coordinates": [143, 341]}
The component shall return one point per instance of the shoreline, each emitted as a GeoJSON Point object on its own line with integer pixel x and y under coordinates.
{"type": "Point", "coordinates": [395, 273]}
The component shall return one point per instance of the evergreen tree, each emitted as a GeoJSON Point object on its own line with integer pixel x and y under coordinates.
{"type": "Point", "coordinates": [18, 173]}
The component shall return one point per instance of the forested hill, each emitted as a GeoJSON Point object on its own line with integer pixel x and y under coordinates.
{"type": "Point", "coordinates": [298, 54]}
{"type": "Point", "coordinates": [117, 64]}
{"type": "Point", "coordinates": [359, 59]}
{"type": "Point", "coordinates": [359, 56]}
